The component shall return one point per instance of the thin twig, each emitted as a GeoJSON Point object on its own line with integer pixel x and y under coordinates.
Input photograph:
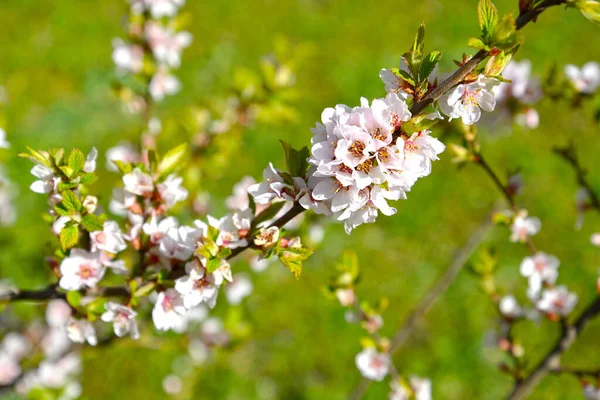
{"type": "Point", "coordinates": [552, 359]}
{"type": "Point", "coordinates": [570, 155]}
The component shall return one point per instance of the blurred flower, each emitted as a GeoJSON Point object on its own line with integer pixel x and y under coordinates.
{"type": "Point", "coordinates": [163, 84]}
{"type": "Point", "coordinates": [172, 384]}
{"type": "Point", "coordinates": [124, 152]}
{"type": "Point", "coordinates": [127, 57]}
{"type": "Point", "coordinates": [540, 268]}
{"type": "Point", "coordinates": [3, 142]}
{"type": "Point", "coordinates": [166, 44]}
{"type": "Point", "coordinates": [557, 301]}
{"type": "Point", "coordinates": [138, 183]}
{"type": "Point", "coordinates": [524, 226]}
{"type": "Point", "coordinates": [373, 365]}
{"type": "Point", "coordinates": [240, 288]}
{"type": "Point", "coordinates": [509, 307]}
{"type": "Point", "coordinates": [123, 319]}
{"type": "Point", "coordinates": [591, 392]}
{"type": "Point", "coordinates": [595, 239]}
{"type": "Point", "coordinates": [80, 331]}
{"type": "Point", "coordinates": [585, 79]}
{"type": "Point", "coordinates": [239, 199]}
{"type": "Point", "coordinates": [171, 191]}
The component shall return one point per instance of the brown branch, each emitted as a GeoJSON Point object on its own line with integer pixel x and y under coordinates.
{"type": "Point", "coordinates": [552, 359]}
{"type": "Point", "coordinates": [570, 155]}
{"type": "Point", "coordinates": [481, 55]}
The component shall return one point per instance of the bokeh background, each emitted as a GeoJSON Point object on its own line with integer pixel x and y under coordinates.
{"type": "Point", "coordinates": [56, 67]}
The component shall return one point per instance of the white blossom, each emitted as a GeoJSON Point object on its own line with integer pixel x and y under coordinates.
{"type": "Point", "coordinates": [168, 311]}
{"type": "Point", "coordinates": [46, 181]}
{"type": "Point", "coordinates": [124, 152]}
{"type": "Point", "coordinates": [171, 191]}
{"type": "Point", "coordinates": [127, 57]}
{"type": "Point", "coordinates": [123, 319]}
{"type": "Point", "coordinates": [233, 229]}
{"type": "Point", "coordinates": [591, 392]}
{"type": "Point", "coordinates": [4, 144]}
{"type": "Point", "coordinates": [585, 79]}
{"type": "Point", "coordinates": [557, 301]}
{"type": "Point", "coordinates": [595, 239]}
{"type": "Point", "coordinates": [240, 288]}
{"type": "Point", "coordinates": [239, 199]}
{"type": "Point", "coordinates": [81, 330]}
{"type": "Point", "coordinates": [138, 182]}
{"type": "Point", "coordinates": [80, 269]}
{"type": "Point", "coordinates": [163, 84]}
{"type": "Point", "coordinates": [10, 369]}
{"type": "Point", "coordinates": [166, 44]}
{"type": "Point", "coordinates": [523, 227]}
{"type": "Point", "coordinates": [467, 100]}
{"type": "Point", "coordinates": [267, 237]}
{"type": "Point", "coordinates": [198, 286]}
{"type": "Point", "coordinates": [373, 365]}
{"type": "Point", "coordinates": [109, 239]}
{"type": "Point", "coordinates": [509, 307]}
{"type": "Point", "coordinates": [540, 268]}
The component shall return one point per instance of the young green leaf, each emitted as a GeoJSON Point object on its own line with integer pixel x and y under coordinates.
{"type": "Point", "coordinates": [488, 18]}
{"type": "Point", "coordinates": [74, 298]}
{"type": "Point", "coordinates": [428, 65]}
{"type": "Point", "coordinates": [172, 161]}
{"type": "Point", "coordinates": [76, 161]}
{"type": "Point", "coordinates": [295, 160]}
{"type": "Point", "coordinates": [69, 236]}
{"type": "Point", "coordinates": [292, 263]}
{"type": "Point", "coordinates": [71, 202]}
{"type": "Point", "coordinates": [92, 223]}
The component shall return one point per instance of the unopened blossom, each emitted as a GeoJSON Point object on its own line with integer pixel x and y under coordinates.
{"type": "Point", "coordinates": [509, 307]}
{"type": "Point", "coordinates": [238, 290]}
{"type": "Point", "coordinates": [372, 364]}
{"type": "Point", "coordinates": [138, 182]}
{"type": "Point", "coordinates": [80, 269]}
{"type": "Point", "coordinates": [267, 237]}
{"type": "Point", "coordinates": [163, 84]}
{"type": "Point", "coordinates": [81, 331]}
{"type": "Point", "coordinates": [124, 152]}
{"type": "Point", "coordinates": [346, 296]}
{"type": "Point", "coordinates": [523, 227]}
{"type": "Point", "coordinates": [171, 191]}
{"type": "Point", "coordinates": [46, 180]}
{"type": "Point", "coordinates": [90, 203]}
{"type": "Point", "coordinates": [585, 79]}
{"type": "Point", "coordinates": [467, 100]}
{"type": "Point", "coordinates": [166, 44]}
{"type": "Point", "coordinates": [127, 57]}
{"type": "Point", "coordinates": [168, 310]}
{"type": "Point", "coordinates": [123, 319]}
{"type": "Point", "coordinates": [540, 268]}
{"type": "Point", "coordinates": [109, 239]}
{"type": "Point", "coordinates": [595, 239]}
{"type": "Point", "coordinates": [198, 286]}
{"type": "Point", "coordinates": [558, 301]}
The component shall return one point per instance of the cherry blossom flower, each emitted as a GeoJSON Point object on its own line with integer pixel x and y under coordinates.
{"type": "Point", "coordinates": [10, 369]}
{"type": "Point", "coordinates": [591, 392]}
{"type": "Point", "coordinates": [233, 229]}
{"type": "Point", "coordinates": [585, 79]}
{"type": "Point", "coordinates": [90, 161]}
{"type": "Point", "coordinates": [15, 345]}
{"type": "Point", "coordinates": [346, 297]}
{"type": "Point", "coordinates": [523, 227]}
{"type": "Point", "coordinates": [239, 199]}
{"type": "Point", "coordinates": [4, 144]}
{"type": "Point", "coordinates": [273, 187]}
{"type": "Point", "coordinates": [373, 365]}
{"type": "Point", "coordinates": [123, 319]}
{"type": "Point", "coordinates": [393, 83]}
{"type": "Point", "coordinates": [240, 288]}
{"type": "Point", "coordinates": [166, 44]}
{"type": "Point", "coordinates": [127, 57]}
{"type": "Point", "coordinates": [90, 203]}
{"type": "Point", "coordinates": [197, 286]}
{"type": "Point", "coordinates": [168, 310]}
{"type": "Point", "coordinates": [509, 307]}
{"type": "Point", "coordinates": [558, 301]}
{"type": "Point", "coordinates": [80, 269]}
{"type": "Point", "coordinates": [138, 182]}
{"type": "Point", "coordinates": [467, 100]}
{"type": "Point", "coordinates": [110, 239]}
{"type": "Point", "coordinates": [540, 268]}
{"type": "Point", "coordinates": [163, 84]}
{"type": "Point", "coordinates": [171, 191]}
{"type": "Point", "coordinates": [58, 313]}
{"type": "Point", "coordinates": [158, 230]}
{"type": "Point", "coordinates": [180, 243]}
{"type": "Point", "coordinates": [267, 237]}
{"type": "Point", "coordinates": [81, 330]}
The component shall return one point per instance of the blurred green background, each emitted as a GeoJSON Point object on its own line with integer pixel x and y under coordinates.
{"type": "Point", "coordinates": [56, 67]}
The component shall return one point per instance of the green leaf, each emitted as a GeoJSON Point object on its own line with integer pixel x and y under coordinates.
{"type": "Point", "coordinates": [477, 43]}
{"type": "Point", "coordinates": [92, 223]}
{"type": "Point", "coordinates": [122, 166]}
{"type": "Point", "coordinates": [145, 289]}
{"type": "Point", "coordinates": [488, 18]}
{"type": "Point", "coordinates": [76, 161]}
{"type": "Point", "coordinates": [172, 161]}
{"type": "Point", "coordinates": [505, 35]}
{"type": "Point", "coordinates": [418, 123]}
{"type": "Point", "coordinates": [404, 75]}
{"type": "Point", "coordinates": [39, 157]}
{"type": "Point", "coordinates": [64, 186]}
{"type": "Point", "coordinates": [213, 264]}
{"type": "Point", "coordinates": [96, 307]}
{"type": "Point", "coordinates": [295, 160]}
{"type": "Point", "coordinates": [68, 171]}
{"type": "Point", "coordinates": [293, 264]}
{"type": "Point", "coordinates": [57, 155]}
{"type": "Point", "coordinates": [428, 65]}
{"type": "Point", "coordinates": [69, 236]}
{"type": "Point", "coordinates": [71, 202]}
{"type": "Point", "coordinates": [74, 298]}
{"type": "Point", "coordinates": [418, 44]}
{"type": "Point", "coordinates": [88, 178]}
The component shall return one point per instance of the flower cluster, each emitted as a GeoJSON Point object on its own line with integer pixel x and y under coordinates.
{"type": "Point", "coordinates": [154, 48]}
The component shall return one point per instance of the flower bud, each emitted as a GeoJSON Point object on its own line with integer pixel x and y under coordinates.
{"type": "Point", "coordinates": [90, 203]}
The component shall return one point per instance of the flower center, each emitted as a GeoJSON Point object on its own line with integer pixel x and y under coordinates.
{"type": "Point", "coordinates": [86, 271]}
{"type": "Point", "coordinates": [357, 149]}
{"type": "Point", "coordinates": [365, 166]}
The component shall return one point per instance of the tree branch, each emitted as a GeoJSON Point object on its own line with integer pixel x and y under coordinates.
{"type": "Point", "coordinates": [552, 359]}
{"type": "Point", "coordinates": [481, 55]}
{"type": "Point", "coordinates": [570, 155]}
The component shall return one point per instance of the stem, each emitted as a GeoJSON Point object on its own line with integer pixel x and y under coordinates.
{"type": "Point", "coordinates": [481, 55]}
{"type": "Point", "coordinates": [570, 155]}
{"type": "Point", "coordinates": [552, 359]}
{"type": "Point", "coordinates": [490, 172]}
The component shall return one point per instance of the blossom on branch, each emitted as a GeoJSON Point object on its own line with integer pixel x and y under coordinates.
{"type": "Point", "coordinates": [372, 364]}
{"type": "Point", "coordinates": [468, 99]}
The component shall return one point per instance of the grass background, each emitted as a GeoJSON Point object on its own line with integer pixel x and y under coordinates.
{"type": "Point", "coordinates": [56, 68]}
